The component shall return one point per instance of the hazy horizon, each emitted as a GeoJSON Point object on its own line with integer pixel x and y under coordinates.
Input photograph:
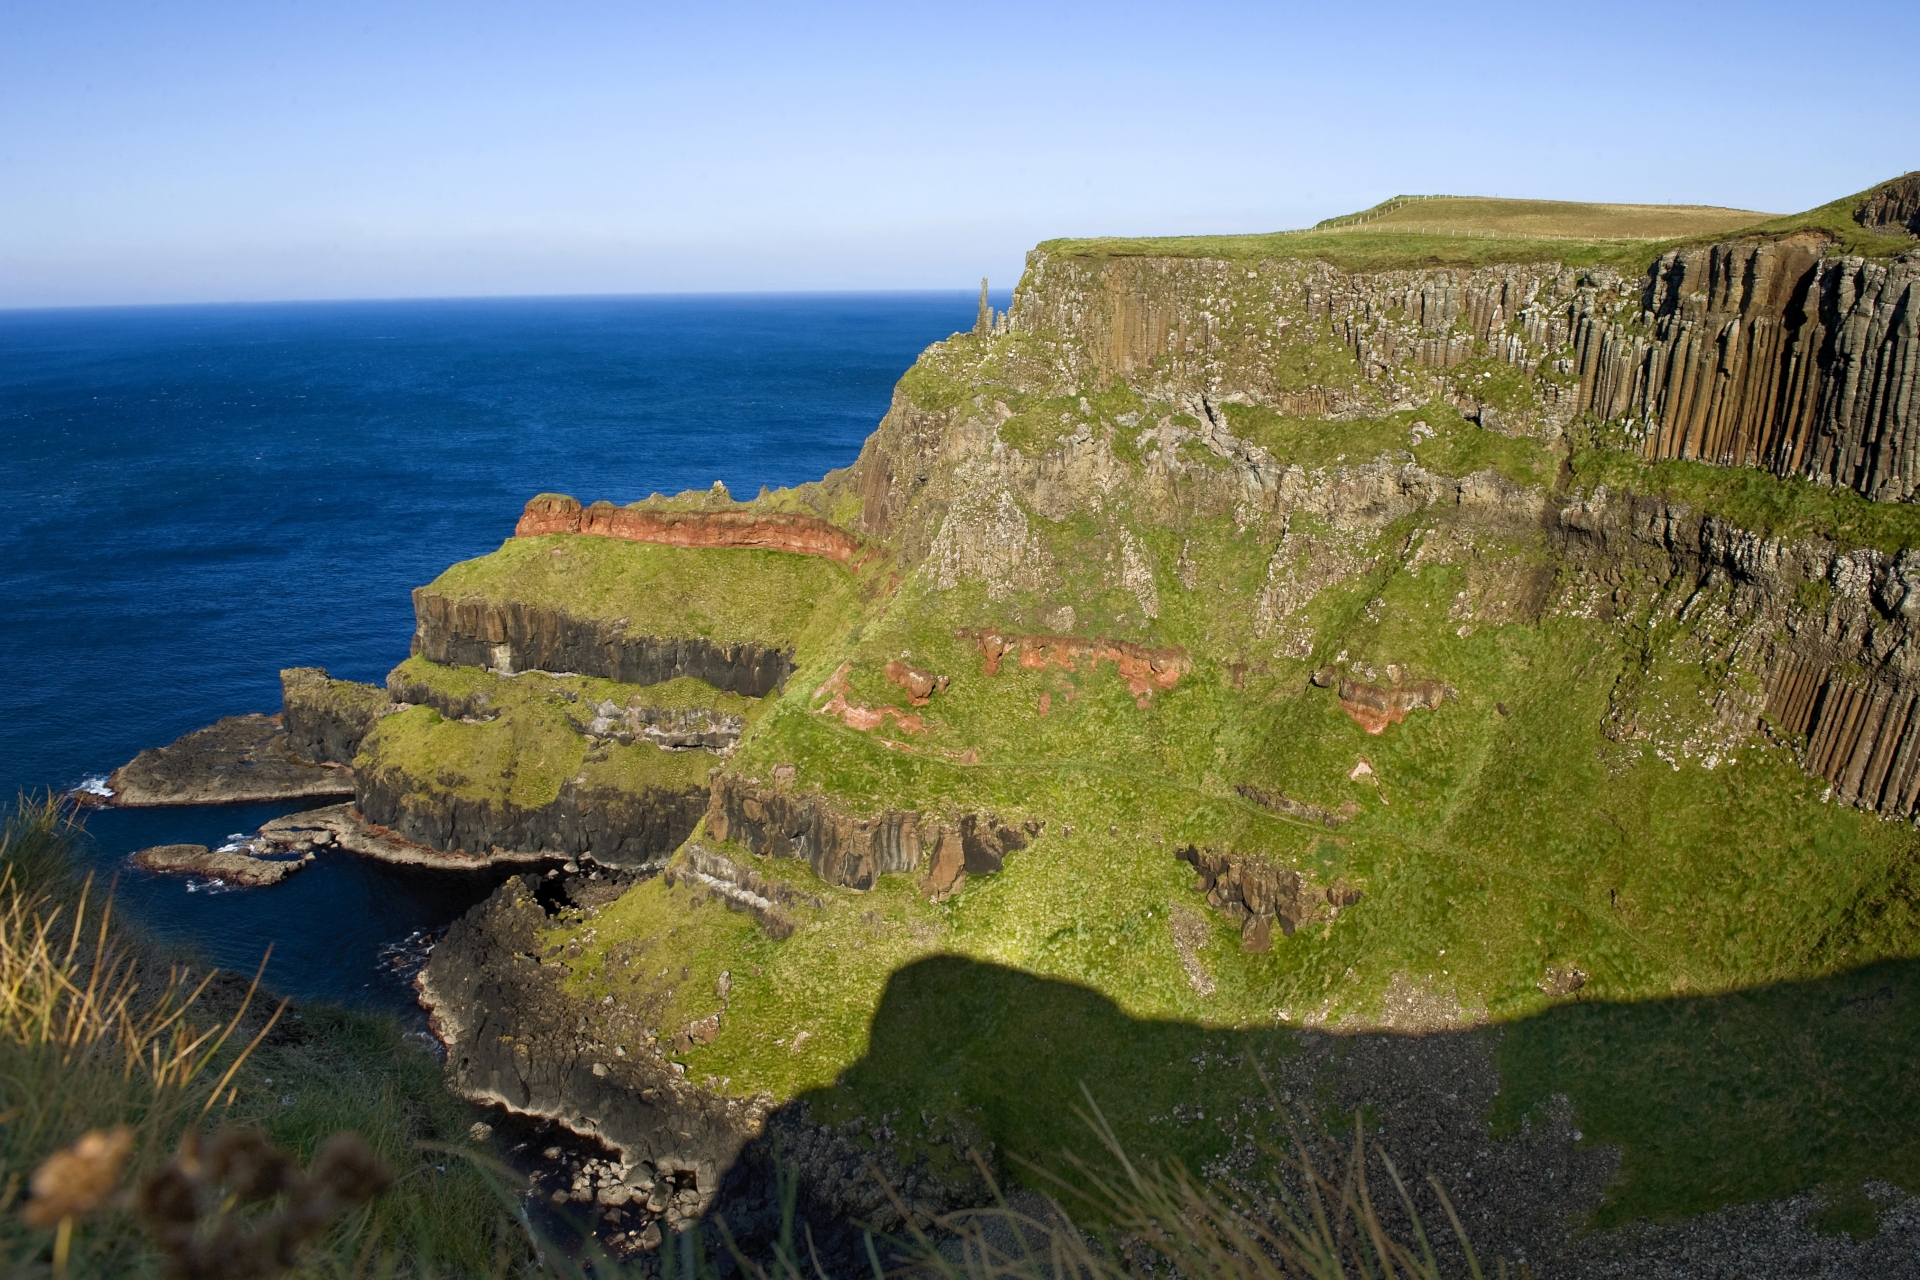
{"type": "Point", "coordinates": [227, 153]}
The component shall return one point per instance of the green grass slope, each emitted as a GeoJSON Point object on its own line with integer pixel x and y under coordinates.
{"type": "Point", "coordinates": [1470, 231]}
{"type": "Point", "coordinates": [1499, 835]}
{"type": "Point", "coordinates": [725, 595]}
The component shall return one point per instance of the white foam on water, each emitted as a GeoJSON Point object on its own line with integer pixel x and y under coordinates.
{"type": "Point", "coordinates": [95, 786]}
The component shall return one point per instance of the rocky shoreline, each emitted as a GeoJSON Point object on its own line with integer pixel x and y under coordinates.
{"type": "Point", "coordinates": [677, 1152]}
{"type": "Point", "coordinates": [237, 760]}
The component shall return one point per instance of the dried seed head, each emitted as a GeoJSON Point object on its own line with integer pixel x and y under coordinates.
{"type": "Point", "coordinates": [251, 1167]}
{"type": "Point", "coordinates": [168, 1199]}
{"type": "Point", "coordinates": [346, 1168]}
{"type": "Point", "coordinates": [73, 1182]}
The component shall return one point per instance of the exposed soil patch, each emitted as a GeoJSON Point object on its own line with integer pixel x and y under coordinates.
{"type": "Point", "coordinates": [864, 718]}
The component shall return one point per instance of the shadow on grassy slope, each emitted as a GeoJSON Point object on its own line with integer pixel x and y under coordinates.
{"type": "Point", "coordinates": [1711, 1101]}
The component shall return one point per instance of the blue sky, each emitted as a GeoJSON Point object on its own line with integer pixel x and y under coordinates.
{"type": "Point", "coordinates": [208, 152]}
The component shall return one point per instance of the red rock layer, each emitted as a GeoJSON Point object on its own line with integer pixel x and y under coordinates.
{"type": "Point", "coordinates": [1374, 708]}
{"type": "Point", "coordinates": [1142, 668]}
{"type": "Point", "coordinates": [772, 531]}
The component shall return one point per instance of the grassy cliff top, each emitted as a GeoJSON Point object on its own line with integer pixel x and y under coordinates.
{"type": "Point", "coordinates": [1471, 231]}
{"type": "Point", "coordinates": [1551, 219]}
{"type": "Point", "coordinates": [725, 595]}
{"type": "Point", "coordinates": [535, 741]}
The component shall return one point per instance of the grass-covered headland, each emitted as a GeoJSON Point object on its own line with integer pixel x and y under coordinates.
{"type": "Point", "coordinates": [1441, 652]}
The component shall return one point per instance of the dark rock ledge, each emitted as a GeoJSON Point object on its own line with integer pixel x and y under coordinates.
{"type": "Point", "coordinates": [235, 760]}
{"type": "Point", "coordinates": [681, 1153]}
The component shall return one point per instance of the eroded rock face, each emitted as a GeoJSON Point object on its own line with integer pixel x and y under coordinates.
{"type": "Point", "coordinates": [239, 758]}
{"type": "Point", "coordinates": [615, 828]}
{"type": "Point", "coordinates": [853, 852]}
{"type": "Point", "coordinates": [1374, 708]}
{"type": "Point", "coordinates": [843, 850]}
{"type": "Point", "coordinates": [1144, 669]}
{"type": "Point", "coordinates": [1281, 803]}
{"type": "Point", "coordinates": [1841, 676]}
{"type": "Point", "coordinates": [920, 685]}
{"type": "Point", "coordinates": [510, 636]}
{"type": "Point", "coordinates": [687, 729]}
{"type": "Point", "coordinates": [515, 1036]}
{"type": "Point", "coordinates": [326, 718]}
{"type": "Point", "coordinates": [1893, 206]}
{"type": "Point", "coordinates": [1260, 896]}
{"type": "Point", "coordinates": [773, 531]}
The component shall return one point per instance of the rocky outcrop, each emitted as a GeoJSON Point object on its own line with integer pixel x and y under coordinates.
{"type": "Point", "coordinates": [1281, 803]}
{"type": "Point", "coordinates": [614, 828]}
{"type": "Point", "coordinates": [770, 902]}
{"type": "Point", "coordinates": [239, 866]}
{"type": "Point", "coordinates": [1828, 633]}
{"type": "Point", "coordinates": [977, 845]}
{"type": "Point", "coordinates": [852, 852]}
{"type": "Point", "coordinates": [1770, 354]}
{"type": "Point", "coordinates": [1259, 895]}
{"type": "Point", "coordinates": [1143, 669]}
{"type": "Point", "coordinates": [771, 531]}
{"type": "Point", "coordinates": [843, 850]}
{"type": "Point", "coordinates": [326, 718]}
{"type": "Point", "coordinates": [1892, 206]}
{"type": "Point", "coordinates": [1373, 708]}
{"type": "Point", "coordinates": [234, 760]}
{"type": "Point", "coordinates": [509, 636]}
{"type": "Point", "coordinates": [516, 1037]}
{"type": "Point", "coordinates": [682, 729]}
{"type": "Point", "coordinates": [920, 685]}
{"type": "Point", "coordinates": [341, 826]}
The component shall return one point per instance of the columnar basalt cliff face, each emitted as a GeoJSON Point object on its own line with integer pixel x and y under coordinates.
{"type": "Point", "coordinates": [615, 828]}
{"type": "Point", "coordinates": [1406, 605]}
{"type": "Point", "coordinates": [842, 849]}
{"type": "Point", "coordinates": [1187, 327]}
{"type": "Point", "coordinates": [1772, 355]}
{"type": "Point", "coordinates": [511, 636]}
{"type": "Point", "coordinates": [772, 531]}
{"type": "Point", "coordinates": [1893, 206]}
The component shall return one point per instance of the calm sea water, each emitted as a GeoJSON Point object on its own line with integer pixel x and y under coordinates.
{"type": "Point", "coordinates": [192, 498]}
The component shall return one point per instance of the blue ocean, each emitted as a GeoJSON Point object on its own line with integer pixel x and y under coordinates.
{"type": "Point", "coordinates": [195, 497]}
